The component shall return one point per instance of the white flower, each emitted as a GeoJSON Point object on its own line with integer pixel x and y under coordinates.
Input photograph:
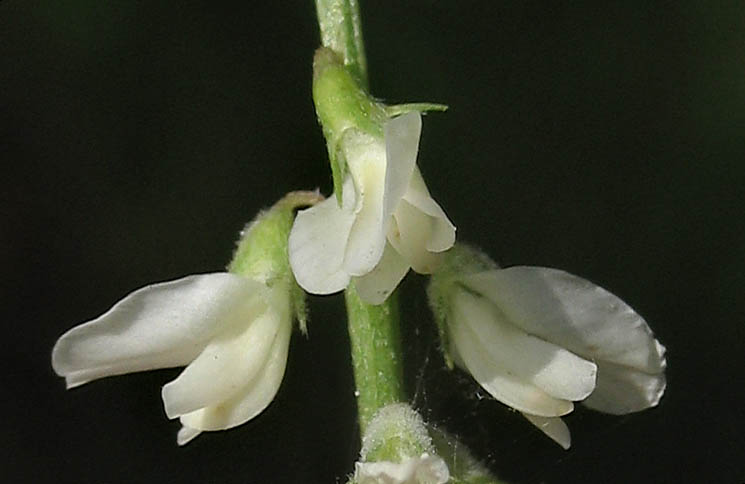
{"type": "Point", "coordinates": [425, 469]}
{"type": "Point", "coordinates": [231, 331]}
{"type": "Point", "coordinates": [538, 339]}
{"type": "Point", "coordinates": [387, 222]}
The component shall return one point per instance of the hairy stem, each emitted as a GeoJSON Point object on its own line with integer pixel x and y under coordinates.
{"type": "Point", "coordinates": [373, 330]}
{"type": "Point", "coordinates": [375, 338]}
{"type": "Point", "coordinates": [341, 31]}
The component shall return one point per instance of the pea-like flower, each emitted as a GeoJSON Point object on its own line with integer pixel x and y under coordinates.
{"type": "Point", "coordinates": [538, 339]}
{"type": "Point", "coordinates": [231, 331]}
{"type": "Point", "coordinates": [387, 221]}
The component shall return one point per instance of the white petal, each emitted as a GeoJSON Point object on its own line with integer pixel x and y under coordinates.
{"type": "Point", "coordinates": [317, 243]}
{"type": "Point", "coordinates": [230, 360]}
{"type": "Point", "coordinates": [253, 398]}
{"type": "Point", "coordinates": [442, 233]}
{"type": "Point", "coordinates": [573, 313]}
{"type": "Point", "coordinates": [427, 469]}
{"type": "Point", "coordinates": [366, 240]}
{"type": "Point", "coordinates": [554, 427]}
{"type": "Point", "coordinates": [622, 390]}
{"type": "Point", "coordinates": [375, 286]}
{"type": "Point", "coordinates": [186, 435]}
{"type": "Point", "coordinates": [158, 326]}
{"type": "Point", "coordinates": [409, 233]}
{"type": "Point", "coordinates": [554, 370]}
{"type": "Point", "coordinates": [401, 146]}
{"type": "Point", "coordinates": [502, 384]}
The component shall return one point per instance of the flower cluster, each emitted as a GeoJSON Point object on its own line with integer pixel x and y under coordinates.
{"type": "Point", "coordinates": [537, 339]}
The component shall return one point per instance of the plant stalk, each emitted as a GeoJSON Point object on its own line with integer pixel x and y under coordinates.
{"type": "Point", "coordinates": [374, 331]}
{"type": "Point", "coordinates": [375, 339]}
{"type": "Point", "coordinates": [341, 31]}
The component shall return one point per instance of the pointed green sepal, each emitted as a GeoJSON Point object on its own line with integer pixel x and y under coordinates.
{"type": "Point", "coordinates": [461, 259]}
{"type": "Point", "coordinates": [261, 252]}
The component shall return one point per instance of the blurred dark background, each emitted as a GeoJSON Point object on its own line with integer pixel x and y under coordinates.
{"type": "Point", "coordinates": [137, 137]}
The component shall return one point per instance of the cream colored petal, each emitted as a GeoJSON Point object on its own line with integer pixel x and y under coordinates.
{"type": "Point", "coordinates": [506, 387]}
{"type": "Point", "coordinates": [401, 147]}
{"type": "Point", "coordinates": [442, 233]}
{"type": "Point", "coordinates": [375, 286]}
{"type": "Point", "coordinates": [186, 435]}
{"type": "Point", "coordinates": [556, 371]}
{"type": "Point", "coordinates": [409, 233]}
{"type": "Point", "coordinates": [366, 240]}
{"type": "Point", "coordinates": [255, 395]}
{"type": "Point", "coordinates": [158, 326]}
{"type": "Point", "coordinates": [573, 313]}
{"type": "Point", "coordinates": [622, 390]}
{"type": "Point", "coordinates": [554, 427]}
{"type": "Point", "coordinates": [318, 241]}
{"type": "Point", "coordinates": [223, 368]}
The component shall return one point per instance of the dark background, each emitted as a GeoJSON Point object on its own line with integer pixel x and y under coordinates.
{"type": "Point", "coordinates": [137, 137]}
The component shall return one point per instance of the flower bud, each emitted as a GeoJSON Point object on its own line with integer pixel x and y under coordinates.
{"type": "Point", "coordinates": [397, 449]}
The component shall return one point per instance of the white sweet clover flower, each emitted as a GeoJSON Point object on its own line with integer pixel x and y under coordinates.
{"type": "Point", "coordinates": [387, 222]}
{"type": "Point", "coordinates": [384, 220]}
{"type": "Point", "coordinates": [538, 339]}
{"type": "Point", "coordinates": [231, 331]}
{"type": "Point", "coordinates": [425, 469]}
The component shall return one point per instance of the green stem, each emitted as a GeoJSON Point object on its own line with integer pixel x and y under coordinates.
{"type": "Point", "coordinates": [341, 31]}
{"type": "Point", "coordinates": [375, 338]}
{"type": "Point", "coordinates": [373, 330]}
